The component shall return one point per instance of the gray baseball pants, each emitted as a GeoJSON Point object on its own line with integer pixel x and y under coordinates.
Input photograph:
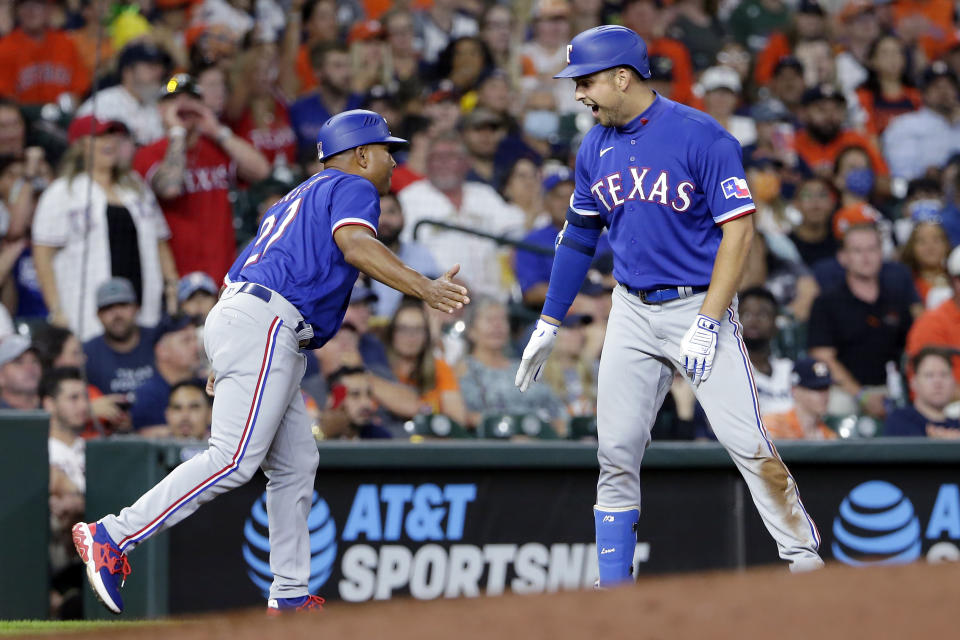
{"type": "Point", "coordinates": [259, 421]}
{"type": "Point", "coordinates": [641, 344]}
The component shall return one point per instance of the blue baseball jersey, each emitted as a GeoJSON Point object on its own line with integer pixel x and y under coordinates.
{"type": "Point", "coordinates": [295, 255]}
{"type": "Point", "coordinates": [662, 184]}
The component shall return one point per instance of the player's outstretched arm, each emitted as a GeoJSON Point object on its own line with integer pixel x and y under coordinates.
{"type": "Point", "coordinates": [362, 249]}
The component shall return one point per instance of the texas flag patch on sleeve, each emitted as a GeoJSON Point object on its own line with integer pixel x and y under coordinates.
{"type": "Point", "coordinates": [735, 188]}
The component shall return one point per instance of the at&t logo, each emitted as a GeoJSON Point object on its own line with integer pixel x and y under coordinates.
{"type": "Point", "coordinates": [876, 525]}
{"type": "Point", "coordinates": [323, 544]}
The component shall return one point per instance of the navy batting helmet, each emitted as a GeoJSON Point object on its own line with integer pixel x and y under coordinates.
{"type": "Point", "coordinates": [604, 48]}
{"type": "Point", "coordinates": [352, 129]}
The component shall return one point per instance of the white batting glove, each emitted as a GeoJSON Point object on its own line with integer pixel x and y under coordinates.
{"type": "Point", "coordinates": [536, 354]}
{"type": "Point", "coordinates": [698, 347]}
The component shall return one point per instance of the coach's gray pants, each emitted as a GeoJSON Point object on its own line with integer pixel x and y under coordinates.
{"type": "Point", "coordinates": [259, 420]}
{"type": "Point", "coordinates": [635, 376]}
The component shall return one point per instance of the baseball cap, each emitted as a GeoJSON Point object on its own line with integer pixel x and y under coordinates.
{"type": "Point", "coordinates": [855, 8]}
{"type": "Point", "coordinates": [89, 125]}
{"type": "Point", "coordinates": [444, 92]}
{"type": "Point", "coordinates": [12, 346]}
{"type": "Point", "coordinates": [478, 117]}
{"type": "Point", "coordinates": [365, 30]}
{"type": "Point", "coordinates": [788, 62]}
{"type": "Point", "coordinates": [115, 291]}
{"type": "Point", "coordinates": [171, 324]}
{"type": "Point", "coordinates": [935, 71]}
{"type": "Point", "coordinates": [139, 52]}
{"type": "Point", "coordinates": [811, 374]}
{"type": "Point", "coordinates": [180, 83]}
{"type": "Point", "coordinates": [546, 9]}
{"type": "Point", "coordinates": [811, 7]}
{"type": "Point", "coordinates": [194, 282]}
{"type": "Point", "coordinates": [769, 111]}
{"type": "Point", "coordinates": [720, 77]}
{"type": "Point", "coordinates": [661, 68]}
{"type": "Point", "coordinates": [574, 320]}
{"type": "Point", "coordinates": [555, 177]}
{"type": "Point", "coordinates": [823, 92]}
{"type": "Point", "coordinates": [953, 262]}
{"type": "Point", "coordinates": [853, 215]}
{"type": "Point", "coordinates": [362, 293]}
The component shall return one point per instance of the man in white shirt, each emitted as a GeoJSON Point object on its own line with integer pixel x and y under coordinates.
{"type": "Point", "coordinates": [772, 375]}
{"type": "Point", "coordinates": [914, 142]}
{"type": "Point", "coordinates": [134, 101]}
{"type": "Point", "coordinates": [721, 90]}
{"type": "Point", "coordinates": [446, 196]}
{"type": "Point", "coordinates": [64, 397]}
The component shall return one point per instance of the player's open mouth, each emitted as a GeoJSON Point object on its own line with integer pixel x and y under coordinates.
{"type": "Point", "coordinates": [595, 109]}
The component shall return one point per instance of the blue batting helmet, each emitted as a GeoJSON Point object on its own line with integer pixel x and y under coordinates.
{"type": "Point", "coordinates": [351, 129]}
{"type": "Point", "coordinates": [604, 48]}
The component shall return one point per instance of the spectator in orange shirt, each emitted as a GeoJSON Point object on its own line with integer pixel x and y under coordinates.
{"type": "Point", "coordinates": [925, 253]}
{"type": "Point", "coordinates": [824, 135]}
{"type": "Point", "coordinates": [940, 327]}
{"type": "Point", "coordinates": [412, 361]}
{"type": "Point", "coordinates": [887, 92]}
{"type": "Point", "coordinates": [643, 16]}
{"type": "Point", "coordinates": [320, 25]}
{"type": "Point", "coordinates": [928, 23]}
{"type": "Point", "coordinates": [38, 63]}
{"type": "Point", "coordinates": [811, 392]}
{"type": "Point", "coordinates": [809, 23]}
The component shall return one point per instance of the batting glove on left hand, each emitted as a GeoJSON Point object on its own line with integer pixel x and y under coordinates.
{"type": "Point", "coordinates": [536, 354]}
{"type": "Point", "coordinates": [698, 348]}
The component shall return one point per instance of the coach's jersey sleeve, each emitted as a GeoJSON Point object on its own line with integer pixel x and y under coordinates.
{"type": "Point", "coordinates": [354, 201]}
{"type": "Point", "coordinates": [723, 181]}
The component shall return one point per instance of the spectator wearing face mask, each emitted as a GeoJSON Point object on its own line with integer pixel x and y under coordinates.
{"type": "Point", "coordinates": [855, 180]}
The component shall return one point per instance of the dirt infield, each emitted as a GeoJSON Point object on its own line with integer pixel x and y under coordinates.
{"type": "Point", "coordinates": [915, 601]}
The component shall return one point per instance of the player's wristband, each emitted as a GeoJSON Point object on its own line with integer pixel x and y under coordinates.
{"type": "Point", "coordinates": [177, 132]}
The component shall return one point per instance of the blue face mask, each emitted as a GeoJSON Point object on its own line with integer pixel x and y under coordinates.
{"type": "Point", "coordinates": [859, 182]}
{"type": "Point", "coordinates": [541, 124]}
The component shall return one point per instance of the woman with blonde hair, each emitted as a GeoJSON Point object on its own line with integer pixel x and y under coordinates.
{"type": "Point", "coordinates": [98, 220]}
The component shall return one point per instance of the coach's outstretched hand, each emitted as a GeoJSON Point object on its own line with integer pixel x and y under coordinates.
{"type": "Point", "coordinates": [444, 294]}
{"type": "Point", "coordinates": [535, 354]}
{"type": "Point", "coordinates": [698, 348]}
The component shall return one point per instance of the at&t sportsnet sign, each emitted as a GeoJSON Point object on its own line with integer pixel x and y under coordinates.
{"type": "Point", "coordinates": [399, 539]}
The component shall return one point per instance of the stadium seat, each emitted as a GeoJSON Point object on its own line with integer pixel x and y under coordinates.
{"type": "Point", "coordinates": [435, 426]}
{"type": "Point", "coordinates": [582, 427]}
{"type": "Point", "coordinates": [503, 426]}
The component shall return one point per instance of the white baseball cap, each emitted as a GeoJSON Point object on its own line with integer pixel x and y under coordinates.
{"type": "Point", "coordinates": [953, 262]}
{"type": "Point", "coordinates": [12, 346]}
{"type": "Point", "coordinates": [720, 77]}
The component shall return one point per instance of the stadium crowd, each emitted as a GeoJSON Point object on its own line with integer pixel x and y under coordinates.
{"type": "Point", "coordinates": [142, 143]}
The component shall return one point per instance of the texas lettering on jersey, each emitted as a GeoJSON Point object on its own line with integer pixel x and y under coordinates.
{"type": "Point", "coordinates": [616, 189]}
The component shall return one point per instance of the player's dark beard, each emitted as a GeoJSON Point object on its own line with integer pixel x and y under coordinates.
{"type": "Point", "coordinates": [823, 133]}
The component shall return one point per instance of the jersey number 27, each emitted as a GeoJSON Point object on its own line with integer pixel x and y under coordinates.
{"type": "Point", "coordinates": [267, 226]}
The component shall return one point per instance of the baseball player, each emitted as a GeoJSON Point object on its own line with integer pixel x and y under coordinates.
{"type": "Point", "coordinates": [286, 292]}
{"type": "Point", "coordinates": [668, 183]}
